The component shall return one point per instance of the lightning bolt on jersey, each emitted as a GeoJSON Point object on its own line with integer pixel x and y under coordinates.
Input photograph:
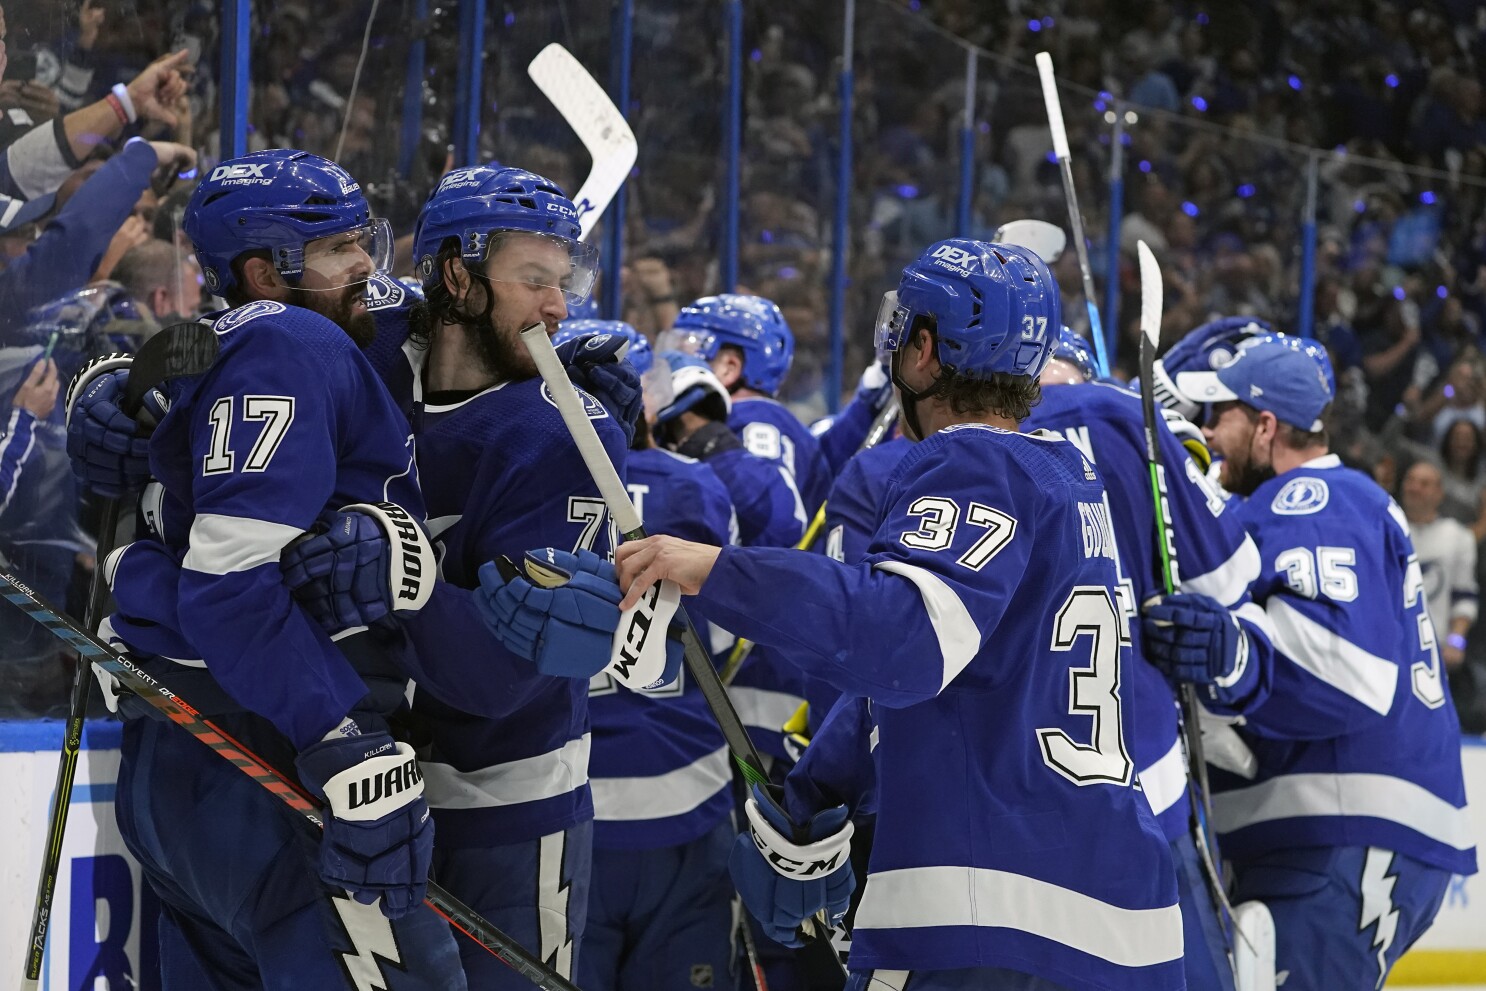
{"type": "Point", "coordinates": [1214, 557]}
{"type": "Point", "coordinates": [289, 422]}
{"type": "Point", "coordinates": [508, 758]}
{"type": "Point", "coordinates": [660, 770]}
{"type": "Point", "coordinates": [984, 626]}
{"type": "Point", "coordinates": [1358, 743]}
{"type": "Point", "coordinates": [770, 431]}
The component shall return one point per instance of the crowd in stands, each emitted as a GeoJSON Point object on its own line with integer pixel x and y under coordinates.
{"type": "Point", "coordinates": [1221, 108]}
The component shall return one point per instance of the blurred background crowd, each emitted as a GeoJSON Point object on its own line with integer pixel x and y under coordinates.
{"type": "Point", "coordinates": [1218, 110]}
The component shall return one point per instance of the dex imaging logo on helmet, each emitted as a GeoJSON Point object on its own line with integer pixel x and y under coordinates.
{"type": "Point", "coordinates": [956, 257]}
{"type": "Point", "coordinates": [461, 177]}
{"type": "Point", "coordinates": [241, 174]}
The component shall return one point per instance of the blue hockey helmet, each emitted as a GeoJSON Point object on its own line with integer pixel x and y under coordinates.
{"type": "Point", "coordinates": [1205, 348]}
{"type": "Point", "coordinates": [472, 204]}
{"type": "Point", "coordinates": [752, 324]}
{"type": "Point", "coordinates": [584, 309]}
{"type": "Point", "coordinates": [277, 200]}
{"type": "Point", "coordinates": [85, 322]}
{"type": "Point", "coordinates": [992, 307]}
{"type": "Point", "coordinates": [1073, 348]}
{"type": "Point", "coordinates": [639, 354]}
{"type": "Point", "coordinates": [695, 387]}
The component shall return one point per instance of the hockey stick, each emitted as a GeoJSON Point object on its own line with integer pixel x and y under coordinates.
{"type": "Point", "coordinates": [179, 711]}
{"type": "Point", "coordinates": [611, 487]}
{"type": "Point", "coordinates": [171, 353]}
{"type": "Point", "coordinates": [880, 424]}
{"type": "Point", "coordinates": [599, 124]}
{"type": "Point", "coordinates": [1150, 334]}
{"type": "Point", "coordinates": [1075, 219]}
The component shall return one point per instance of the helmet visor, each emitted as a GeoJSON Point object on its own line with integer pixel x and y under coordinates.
{"type": "Point", "coordinates": [688, 340]}
{"type": "Point", "coordinates": [658, 389]}
{"type": "Point", "coordinates": [542, 261]}
{"type": "Point", "coordinates": [352, 256]}
{"type": "Point", "coordinates": [892, 323]}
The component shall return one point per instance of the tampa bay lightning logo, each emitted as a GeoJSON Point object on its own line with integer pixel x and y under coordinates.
{"type": "Point", "coordinates": [1301, 497]}
{"type": "Point", "coordinates": [384, 293]}
{"type": "Point", "coordinates": [592, 408]}
{"type": "Point", "coordinates": [235, 318]}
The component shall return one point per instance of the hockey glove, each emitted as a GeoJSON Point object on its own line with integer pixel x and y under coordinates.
{"type": "Point", "coordinates": [875, 387]}
{"type": "Point", "coordinates": [1191, 437]}
{"type": "Point", "coordinates": [783, 882]}
{"type": "Point", "coordinates": [1196, 639]}
{"type": "Point", "coordinates": [378, 840]}
{"type": "Point", "coordinates": [360, 566]}
{"type": "Point", "coordinates": [110, 452]}
{"type": "Point", "coordinates": [595, 365]}
{"type": "Point", "coordinates": [559, 611]}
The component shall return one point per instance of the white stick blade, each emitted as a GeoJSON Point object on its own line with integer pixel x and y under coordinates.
{"type": "Point", "coordinates": [1150, 293]}
{"type": "Point", "coordinates": [1054, 106]}
{"type": "Point", "coordinates": [1046, 240]}
{"type": "Point", "coordinates": [598, 123]}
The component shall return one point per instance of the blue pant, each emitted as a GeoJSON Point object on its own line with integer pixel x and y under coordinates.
{"type": "Point", "coordinates": [535, 891]}
{"type": "Point", "coordinates": [968, 979]}
{"type": "Point", "coordinates": [1342, 915]}
{"type": "Point", "coordinates": [661, 920]}
{"type": "Point", "coordinates": [1205, 955]}
{"type": "Point", "coordinates": [242, 904]}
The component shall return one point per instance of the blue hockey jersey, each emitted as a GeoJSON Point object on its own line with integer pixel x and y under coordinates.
{"type": "Point", "coordinates": [984, 627]}
{"type": "Point", "coordinates": [1215, 557]}
{"type": "Point", "coordinates": [1358, 743]}
{"type": "Point", "coordinates": [509, 761]}
{"type": "Point", "coordinates": [660, 770]}
{"type": "Point", "coordinates": [289, 422]}
{"type": "Point", "coordinates": [770, 431]}
{"type": "Point", "coordinates": [853, 510]}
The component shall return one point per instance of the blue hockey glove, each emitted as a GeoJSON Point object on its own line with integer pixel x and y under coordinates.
{"type": "Point", "coordinates": [782, 882]}
{"type": "Point", "coordinates": [378, 840]}
{"type": "Point", "coordinates": [109, 451]}
{"type": "Point", "coordinates": [875, 387]}
{"type": "Point", "coordinates": [594, 365]}
{"type": "Point", "coordinates": [559, 611]}
{"type": "Point", "coordinates": [360, 566]}
{"type": "Point", "coordinates": [1196, 639]}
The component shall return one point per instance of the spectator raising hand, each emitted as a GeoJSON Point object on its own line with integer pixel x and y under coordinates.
{"type": "Point", "coordinates": [38, 393]}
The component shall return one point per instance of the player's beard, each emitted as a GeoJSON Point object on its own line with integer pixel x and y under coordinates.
{"type": "Point", "coordinates": [339, 307]}
{"type": "Point", "coordinates": [1243, 475]}
{"type": "Point", "coordinates": [501, 351]}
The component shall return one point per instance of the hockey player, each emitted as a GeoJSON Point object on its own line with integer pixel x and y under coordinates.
{"type": "Point", "coordinates": [507, 779]}
{"type": "Point", "coordinates": [1355, 819]}
{"type": "Point", "coordinates": [660, 909]}
{"type": "Point", "coordinates": [1216, 560]}
{"type": "Point", "coordinates": [750, 346]}
{"type": "Point", "coordinates": [1012, 848]}
{"type": "Point", "coordinates": [289, 423]}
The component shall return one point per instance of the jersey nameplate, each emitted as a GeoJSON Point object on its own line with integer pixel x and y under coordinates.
{"type": "Point", "coordinates": [1301, 497]}
{"type": "Point", "coordinates": [235, 318]}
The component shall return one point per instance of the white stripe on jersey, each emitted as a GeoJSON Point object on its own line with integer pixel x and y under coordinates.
{"type": "Point", "coordinates": [224, 545]}
{"type": "Point", "coordinates": [1165, 781]}
{"type": "Point", "coordinates": [763, 708]}
{"type": "Point", "coordinates": [530, 779]}
{"type": "Point", "coordinates": [919, 897]}
{"type": "Point", "coordinates": [1230, 580]}
{"type": "Point", "coordinates": [959, 637]}
{"type": "Point", "coordinates": [19, 460]}
{"type": "Point", "coordinates": [661, 796]}
{"type": "Point", "coordinates": [1376, 796]}
{"type": "Point", "coordinates": [1340, 663]}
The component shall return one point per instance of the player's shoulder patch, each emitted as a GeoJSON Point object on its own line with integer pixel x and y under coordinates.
{"type": "Point", "coordinates": [239, 315]}
{"type": "Point", "coordinates": [384, 293]}
{"type": "Point", "coordinates": [591, 406]}
{"type": "Point", "coordinates": [1301, 497]}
